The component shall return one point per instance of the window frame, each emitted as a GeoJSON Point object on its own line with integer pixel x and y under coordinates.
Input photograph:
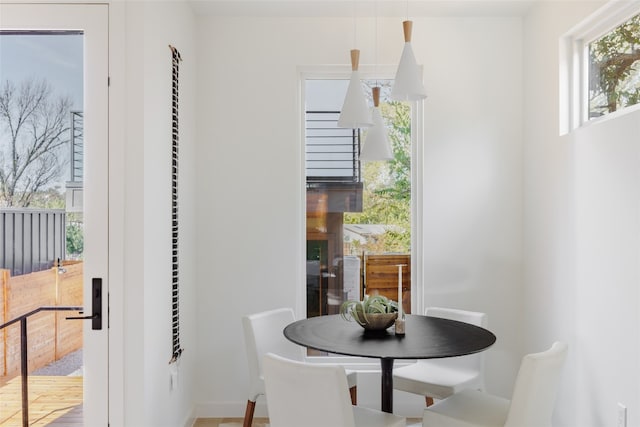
{"type": "Point", "coordinates": [367, 72]}
{"type": "Point", "coordinates": [574, 64]}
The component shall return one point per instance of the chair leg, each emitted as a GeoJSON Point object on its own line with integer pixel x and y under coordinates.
{"type": "Point", "coordinates": [248, 414]}
{"type": "Point", "coordinates": [428, 400]}
{"type": "Point", "coordinates": [353, 392]}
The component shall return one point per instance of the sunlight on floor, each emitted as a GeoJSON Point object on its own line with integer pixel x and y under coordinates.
{"type": "Point", "coordinates": [53, 401]}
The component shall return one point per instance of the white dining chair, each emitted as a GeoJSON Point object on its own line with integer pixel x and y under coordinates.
{"type": "Point", "coordinates": [531, 403]}
{"type": "Point", "coordinates": [440, 378]}
{"type": "Point", "coordinates": [314, 395]}
{"type": "Point", "coordinates": [263, 334]}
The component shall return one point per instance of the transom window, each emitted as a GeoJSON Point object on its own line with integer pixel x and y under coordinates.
{"type": "Point", "coordinates": [614, 69]}
{"type": "Point", "coordinates": [600, 66]}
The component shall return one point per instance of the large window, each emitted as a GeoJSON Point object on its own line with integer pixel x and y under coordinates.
{"type": "Point", "coordinates": [358, 215]}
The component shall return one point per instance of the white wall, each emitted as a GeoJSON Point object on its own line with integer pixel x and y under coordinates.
{"type": "Point", "coordinates": [607, 174]}
{"type": "Point", "coordinates": [515, 223]}
{"type": "Point", "coordinates": [250, 180]}
{"type": "Point", "coordinates": [582, 236]}
{"type": "Point", "coordinates": [472, 178]}
{"type": "Point", "coordinates": [150, 28]}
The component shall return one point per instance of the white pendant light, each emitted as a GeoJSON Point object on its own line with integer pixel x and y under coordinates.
{"type": "Point", "coordinates": [355, 111]}
{"type": "Point", "coordinates": [376, 144]}
{"type": "Point", "coordinates": [408, 82]}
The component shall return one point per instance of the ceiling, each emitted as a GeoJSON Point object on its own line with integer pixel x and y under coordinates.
{"type": "Point", "coordinates": [360, 8]}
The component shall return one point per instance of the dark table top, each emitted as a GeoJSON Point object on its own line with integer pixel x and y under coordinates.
{"type": "Point", "coordinates": [426, 338]}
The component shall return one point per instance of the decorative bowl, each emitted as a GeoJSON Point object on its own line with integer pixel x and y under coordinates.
{"type": "Point", "coordinates": [378, 321]}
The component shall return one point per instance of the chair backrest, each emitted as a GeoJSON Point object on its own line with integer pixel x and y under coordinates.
{"type": "Point", "coordinates": [304, 394]}
{"type": "Point", "coordinates": [262, 335]}
{"type": "Point", "coordinates": [472, 362]}
{"type": "Point", "coordinates": [535, 388]}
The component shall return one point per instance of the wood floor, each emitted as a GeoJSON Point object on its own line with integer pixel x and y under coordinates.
{"type": "Point", "coordinates": [215, 422]}
{"type": "Point", "coordinates": [53, 401]}
{"type": "Point", "coordinates": [56, 401]}
{"type": "Point", "coordinates": [258, 422]}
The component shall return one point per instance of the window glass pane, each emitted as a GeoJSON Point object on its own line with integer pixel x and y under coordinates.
{"type": "Point", "coordinates": [358, 215]}
{"type": "Point", "coordinates": [41, 215]}
{"type": "Point", "coordinates": [41, 130]}
{"type": "Point", "coordinates": [614, 69]}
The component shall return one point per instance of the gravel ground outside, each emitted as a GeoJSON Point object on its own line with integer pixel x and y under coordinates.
{"type": "Point", "coordinates": [71, 364]}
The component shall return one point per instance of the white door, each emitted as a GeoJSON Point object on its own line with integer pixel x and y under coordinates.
{"type": "Point", "coordinates": [91, 20]}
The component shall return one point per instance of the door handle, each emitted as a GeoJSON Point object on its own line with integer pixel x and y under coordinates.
{"type": "Point", "coordinates": [94, 316]}
{"type": "Point", "coordinates": [96, 305]}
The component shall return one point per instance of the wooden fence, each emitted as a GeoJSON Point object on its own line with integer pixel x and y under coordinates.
{"type": "Point", "coordinates": [380, 276]}
{"type": "Point", "coordinates": [50, 335]}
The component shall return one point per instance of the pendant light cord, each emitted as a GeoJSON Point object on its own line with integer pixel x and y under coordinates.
{"type": "Point", "coordinates": [375, 41]}
{"type": "Point", "coordinates": [355, 32]}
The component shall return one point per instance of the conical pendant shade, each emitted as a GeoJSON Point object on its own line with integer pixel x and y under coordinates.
{"type": "Point", "coordinates": [355, 111]}
{"type": "Point", "coordinates": [408, 82]}
{"type": "Point", "coordinates": [376, 144]}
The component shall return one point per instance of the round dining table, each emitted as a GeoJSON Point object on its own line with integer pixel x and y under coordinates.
{"type": "Point", "coordinates": [425, 337]}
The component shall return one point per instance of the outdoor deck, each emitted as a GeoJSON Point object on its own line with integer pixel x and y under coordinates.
{"type": "Point", "coordinates": [54, 401]}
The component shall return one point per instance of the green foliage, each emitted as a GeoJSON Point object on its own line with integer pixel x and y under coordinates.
{"type": "Point", "coordinates": [399, 116]}
{"type": "Point", "coordinates": [614, 77]}
{"type": "Point", "coordinates": [75, 239]}
{"type": "Point", "coordinates": [387, 188]}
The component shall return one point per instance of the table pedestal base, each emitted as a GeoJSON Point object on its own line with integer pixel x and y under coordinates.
{"type": "Point", "coordinates": [387, 384]}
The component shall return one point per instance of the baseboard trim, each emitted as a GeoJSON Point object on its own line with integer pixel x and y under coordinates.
{"type": "Point", "coordinates": [228, 409]}
{"type": "Point", "coordinates": [236, 409]}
